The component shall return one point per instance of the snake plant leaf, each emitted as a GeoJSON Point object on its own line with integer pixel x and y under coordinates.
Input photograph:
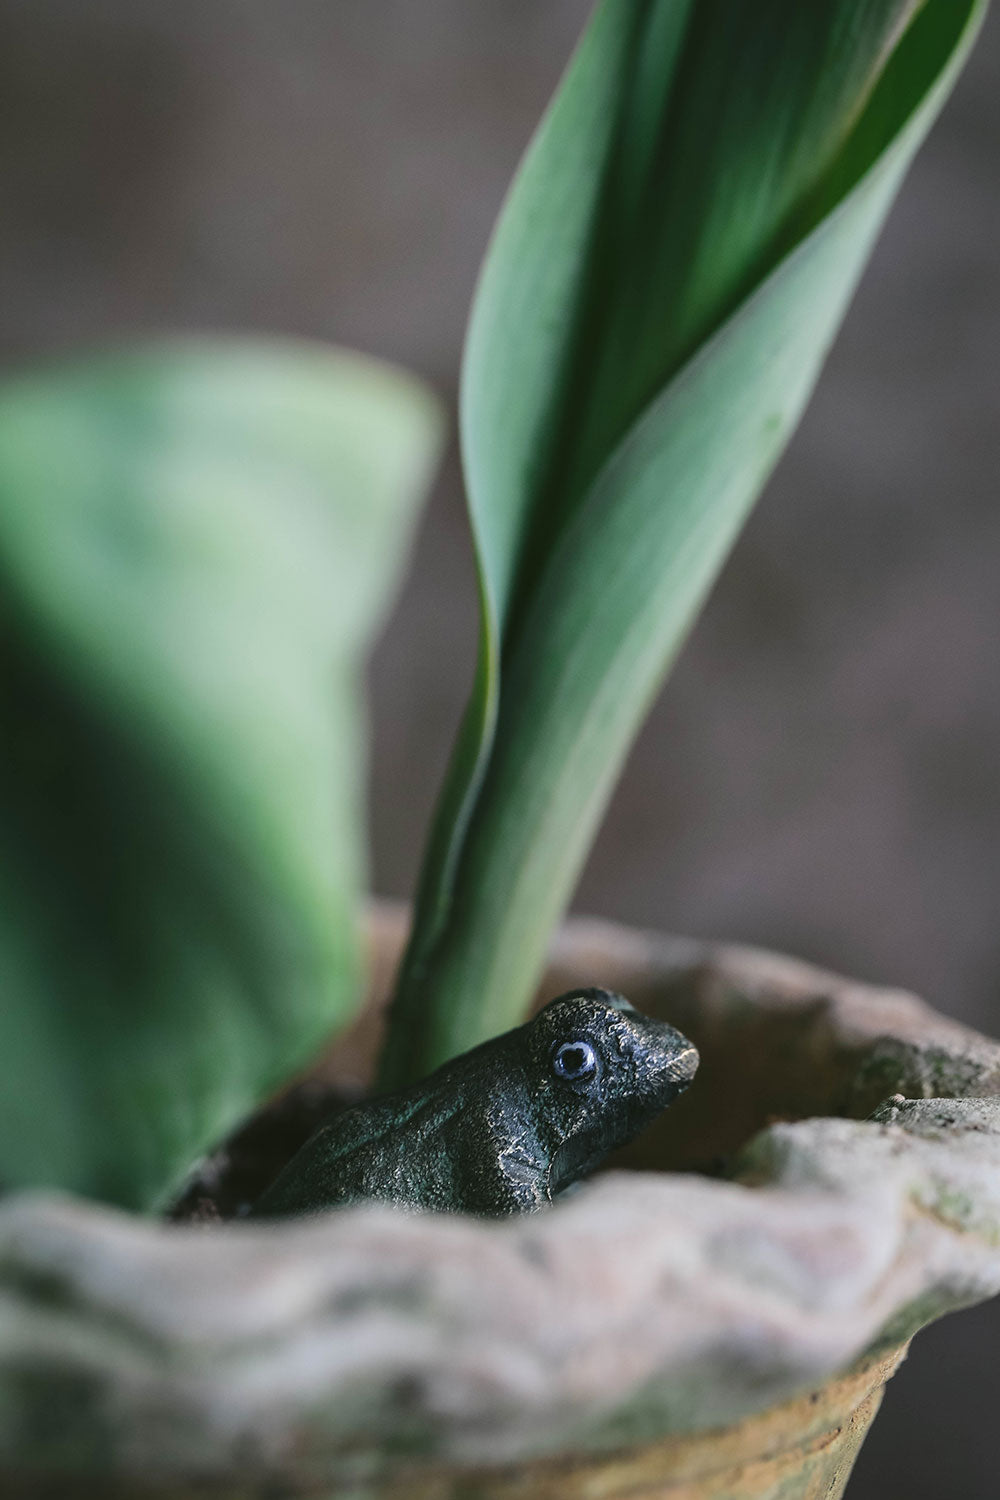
{"type": "Point", "coordinates": [197, 541]}
{"type": "Point", "coordinates": [670, 268]}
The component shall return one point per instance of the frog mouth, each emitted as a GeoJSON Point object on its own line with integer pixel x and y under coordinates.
{"type": "Point", "coordinates": [576, 1158]}
{"type": "Point", "coordinates": [619, 1122]}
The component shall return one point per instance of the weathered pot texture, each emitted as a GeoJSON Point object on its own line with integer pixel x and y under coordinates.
{"type": "Point", "coordinates": [720, 1326]}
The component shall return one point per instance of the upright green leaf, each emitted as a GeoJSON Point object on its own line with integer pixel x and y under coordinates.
{"type": "Point", "coordinates": [668, 272]}
{"type": "Point", "coordinates": [196, 544]}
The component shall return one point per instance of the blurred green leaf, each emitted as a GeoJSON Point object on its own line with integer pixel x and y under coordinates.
{"type": "Point", "coordinates": [197, 542]}
{"type": "Point", "coordinates": [668, 272]}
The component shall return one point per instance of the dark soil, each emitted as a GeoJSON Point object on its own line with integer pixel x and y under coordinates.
{"type": "Point", "coordinates": [225, 1184]}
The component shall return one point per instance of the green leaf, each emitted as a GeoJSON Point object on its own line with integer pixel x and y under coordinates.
{"type": "Point", "coordinates": [669, 270]}
{"type": "Point", "coordinates": [197, 542]}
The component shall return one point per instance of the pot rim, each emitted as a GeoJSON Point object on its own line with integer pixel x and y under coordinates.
{"type": "Point", "coordinates": [646, 1303]}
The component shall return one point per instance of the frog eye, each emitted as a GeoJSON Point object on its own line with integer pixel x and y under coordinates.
{"type": "Point", "coordinates": [574, 1060]}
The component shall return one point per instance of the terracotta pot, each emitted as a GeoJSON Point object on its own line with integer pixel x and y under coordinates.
{"type": "Point", "coordinates": [721, 1325]}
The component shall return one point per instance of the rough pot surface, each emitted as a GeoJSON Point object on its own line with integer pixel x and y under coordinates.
{"type": "Point", "coordinates": [656, 1333]}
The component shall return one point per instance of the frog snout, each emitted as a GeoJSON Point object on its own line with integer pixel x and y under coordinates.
{"type": "Point", "coordinates": [684, 1064]}
{"type": "Point", "coordinates": [670, 1060]}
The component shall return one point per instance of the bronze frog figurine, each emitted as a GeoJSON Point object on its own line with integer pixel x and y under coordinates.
{"type": "Point", "coordinates": [505, 1127]}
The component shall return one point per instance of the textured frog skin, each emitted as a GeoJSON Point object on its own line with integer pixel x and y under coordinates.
{"type": "Point", "coordinates": [498, 1131]}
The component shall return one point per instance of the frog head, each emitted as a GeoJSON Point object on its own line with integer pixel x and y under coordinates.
{"type": "Point", "coordinates": [598, 1072]}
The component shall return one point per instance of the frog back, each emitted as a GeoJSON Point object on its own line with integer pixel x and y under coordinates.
{"type": "Point", "coordinates": [459, 1141]}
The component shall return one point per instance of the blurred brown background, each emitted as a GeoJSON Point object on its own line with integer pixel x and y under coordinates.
{"type": "Point", "coordinates": [822, 773]}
